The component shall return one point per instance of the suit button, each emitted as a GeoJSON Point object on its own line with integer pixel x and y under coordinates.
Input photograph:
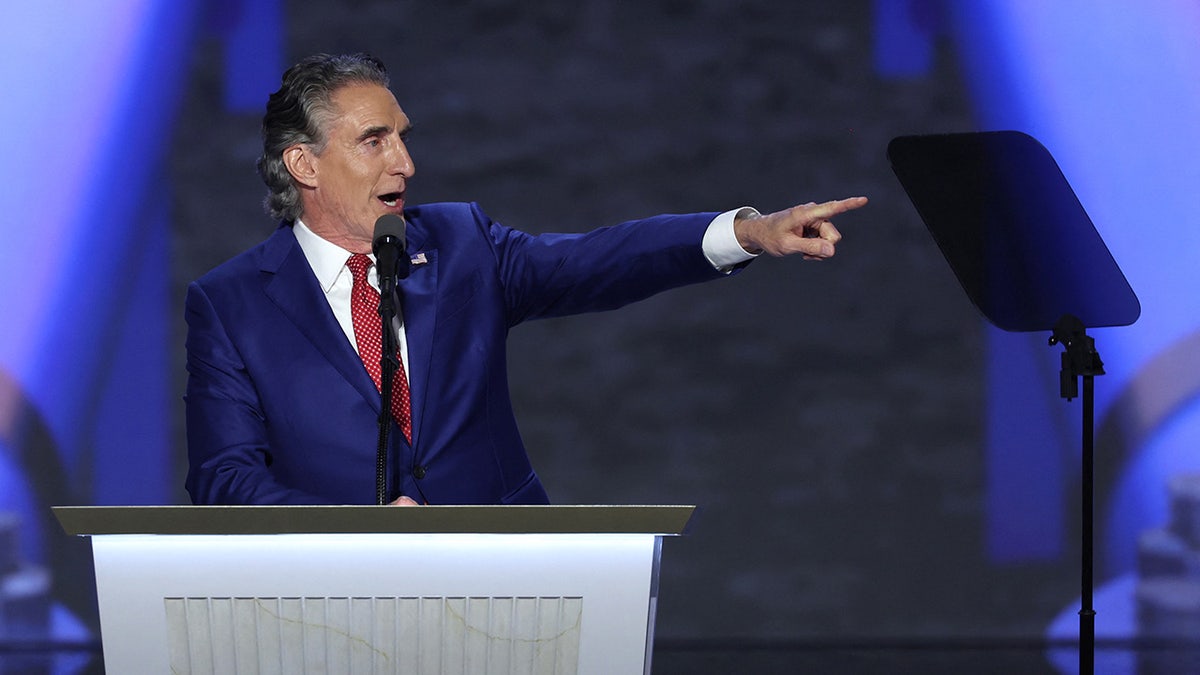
{"type": "Point", "coordinates": [418, 472]}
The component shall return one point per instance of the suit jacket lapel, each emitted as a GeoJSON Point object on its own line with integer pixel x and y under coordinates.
{"type": "Point", "coordinates": [290, 283]}
{"type": "Point", "coordinates": [418, 302]}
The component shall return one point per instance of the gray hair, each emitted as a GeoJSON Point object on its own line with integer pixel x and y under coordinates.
{"type": "Point", "coordinates": [299, 113]}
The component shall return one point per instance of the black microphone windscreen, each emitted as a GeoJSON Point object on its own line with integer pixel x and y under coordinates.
{"type": "Point", "coordinates": [389, 225]}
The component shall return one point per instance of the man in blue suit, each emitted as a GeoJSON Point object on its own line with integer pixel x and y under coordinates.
{"type": "Point", "coordinates": [280, 407]}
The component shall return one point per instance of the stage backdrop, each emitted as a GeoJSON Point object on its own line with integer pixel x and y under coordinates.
{"type": "Point", "coordinates": [870, 459]}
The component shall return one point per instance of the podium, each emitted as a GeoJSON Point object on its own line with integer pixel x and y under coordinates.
{"type": "Point", "coordinates": [371, 589]}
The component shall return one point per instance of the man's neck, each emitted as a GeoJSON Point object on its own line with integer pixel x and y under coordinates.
{"type": "Point", "coordinates": [338, 236]}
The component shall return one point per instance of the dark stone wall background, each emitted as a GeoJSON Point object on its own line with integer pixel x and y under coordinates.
{"type": "Point", "coordinates": [827, 417]}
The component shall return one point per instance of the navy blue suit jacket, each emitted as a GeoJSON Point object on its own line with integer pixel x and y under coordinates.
{"type": "Point", "coordinates": [280, 409]}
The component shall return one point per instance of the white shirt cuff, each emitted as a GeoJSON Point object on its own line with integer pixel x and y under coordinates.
{"type": "Point", "coordinates": [720, 244]}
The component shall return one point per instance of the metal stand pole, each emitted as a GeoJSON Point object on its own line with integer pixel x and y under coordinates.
{"type": "Point", "coordinates": [1080, 359]}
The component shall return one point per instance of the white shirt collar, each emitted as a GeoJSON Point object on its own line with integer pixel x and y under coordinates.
{"type": "Point", "coordinates": [327, 259]}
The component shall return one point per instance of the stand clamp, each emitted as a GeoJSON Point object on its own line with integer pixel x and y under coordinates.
{"type": "Point", "coordinates": [1080, 357]}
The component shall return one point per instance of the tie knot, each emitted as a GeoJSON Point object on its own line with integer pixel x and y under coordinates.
{"type": "Point", "coordinates": [359, 263]}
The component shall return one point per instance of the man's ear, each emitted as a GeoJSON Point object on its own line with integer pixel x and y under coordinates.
{"type": "Point", "coordinates": [299, 162]}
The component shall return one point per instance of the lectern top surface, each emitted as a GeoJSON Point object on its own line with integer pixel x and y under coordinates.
{"type": "Point", "coordinates": [102, 520]}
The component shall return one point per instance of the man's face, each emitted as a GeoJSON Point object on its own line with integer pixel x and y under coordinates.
{"type": "Point", "coordinates": [363, 171]}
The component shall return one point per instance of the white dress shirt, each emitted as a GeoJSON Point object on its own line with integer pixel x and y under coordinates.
{"type": "Point", "coordinates": [328, 263]}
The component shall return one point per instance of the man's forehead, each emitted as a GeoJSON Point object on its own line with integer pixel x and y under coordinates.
{"type": "Point", "coordinates": [368, 105]}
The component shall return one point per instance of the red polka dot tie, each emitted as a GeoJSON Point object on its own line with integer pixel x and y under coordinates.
{"type": "Point", "coordinates": [364, 311]}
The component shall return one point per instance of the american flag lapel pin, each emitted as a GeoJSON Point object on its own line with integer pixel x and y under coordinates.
{"type": "Point", "coordinates": [419, 259]}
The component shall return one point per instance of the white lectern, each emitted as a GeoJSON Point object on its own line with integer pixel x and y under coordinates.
{"type": "Point", "coordinates": [369, 589]}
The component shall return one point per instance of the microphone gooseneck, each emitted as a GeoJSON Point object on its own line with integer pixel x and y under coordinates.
{"type": "Point", "coordinates": [391, 263]}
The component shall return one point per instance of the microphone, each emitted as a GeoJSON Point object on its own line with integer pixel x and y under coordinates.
{"type": "Point", "coordinates": [391, 261]}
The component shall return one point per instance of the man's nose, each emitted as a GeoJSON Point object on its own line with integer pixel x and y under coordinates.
{"type": "Point", "coordinates": [400, 162]}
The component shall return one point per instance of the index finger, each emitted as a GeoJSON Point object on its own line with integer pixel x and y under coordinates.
{"type": "Point", "coordinates": [832, 208]}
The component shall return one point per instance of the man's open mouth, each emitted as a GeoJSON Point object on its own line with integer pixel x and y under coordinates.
{"type": "Point", "coordinates": [391, 198]}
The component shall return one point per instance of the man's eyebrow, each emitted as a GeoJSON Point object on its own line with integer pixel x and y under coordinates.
{"type": "Point", "coordinates": [382, 130]}
{"type": "Point", "coordinates": [374, 131]}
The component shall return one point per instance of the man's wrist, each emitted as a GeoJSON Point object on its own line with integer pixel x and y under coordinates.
{"type": "Point", "coordinates": [741, 228]}
{"type": "Point", "coordinates": [721, 245]}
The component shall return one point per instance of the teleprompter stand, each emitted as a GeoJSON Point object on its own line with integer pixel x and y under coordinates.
{"type": "Point", "coordinates": [1030, 259]}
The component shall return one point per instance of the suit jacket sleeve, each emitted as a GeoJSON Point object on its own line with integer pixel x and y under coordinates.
{"type": "Point", "coordinates": [559, 274]}
{"type": "Point", "coordinates": [227, 434]}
